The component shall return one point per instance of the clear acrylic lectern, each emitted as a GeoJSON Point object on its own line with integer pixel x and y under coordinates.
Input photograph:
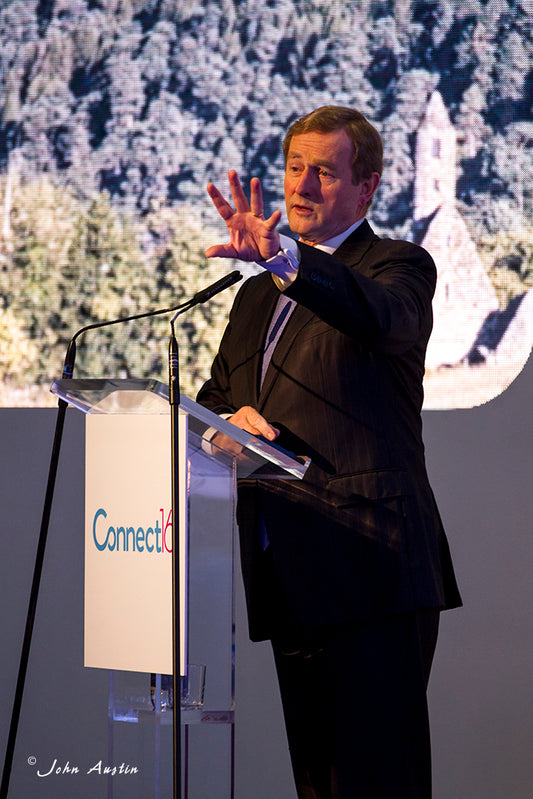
{"type": "Point", "coordinates": [128, 577]}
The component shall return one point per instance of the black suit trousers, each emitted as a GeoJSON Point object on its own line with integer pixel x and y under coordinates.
{"type": "Point", "coordinates": [356, 711]}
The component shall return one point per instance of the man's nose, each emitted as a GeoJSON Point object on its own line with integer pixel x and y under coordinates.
{"type": "Point", "coordinates": [307, 183]}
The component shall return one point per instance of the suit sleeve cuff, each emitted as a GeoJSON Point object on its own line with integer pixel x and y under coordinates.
{"type": "Point", "coordinates": [210, 433]}
{"type": "Point", "coordinates": [284, 265]}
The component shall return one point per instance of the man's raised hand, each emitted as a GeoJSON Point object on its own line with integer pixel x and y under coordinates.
{"type": "Point", "coordinates": [252, 237]}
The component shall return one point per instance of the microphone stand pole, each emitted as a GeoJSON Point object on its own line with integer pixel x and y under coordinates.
{"type": "Point", "coordinates": [174, 401]}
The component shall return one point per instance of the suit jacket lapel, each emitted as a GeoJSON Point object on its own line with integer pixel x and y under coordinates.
{"type": "Point", "coordinates": [297, 320]}
{"type": "Point", "coordinates": [350, 252]}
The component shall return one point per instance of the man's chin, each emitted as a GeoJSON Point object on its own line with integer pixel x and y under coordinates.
{"type": "Point", "coordinates": [303, 228]}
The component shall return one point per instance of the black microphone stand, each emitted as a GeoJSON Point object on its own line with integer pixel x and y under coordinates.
{"type": "Point", "coordinates": [174, 400]}
{"type": "Point", "coordinates": [68, 368]}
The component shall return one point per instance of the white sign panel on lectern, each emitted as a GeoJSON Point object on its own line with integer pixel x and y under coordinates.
{"type": "Point", "coordinates": [128, 542]}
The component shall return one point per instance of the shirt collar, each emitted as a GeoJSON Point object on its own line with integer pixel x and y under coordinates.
{"type": "Point", "coordinates": [330, 245]}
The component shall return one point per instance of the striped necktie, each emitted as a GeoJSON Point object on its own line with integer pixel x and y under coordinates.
{"type": "Point", "coordinates": [279, 319]}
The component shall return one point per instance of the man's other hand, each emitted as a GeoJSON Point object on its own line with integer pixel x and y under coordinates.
{"type": "Point", "coordinates": [250, 420]}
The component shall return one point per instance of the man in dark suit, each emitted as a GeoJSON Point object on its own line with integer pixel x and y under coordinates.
{"type": "Point", "coordinates": [346, 571]}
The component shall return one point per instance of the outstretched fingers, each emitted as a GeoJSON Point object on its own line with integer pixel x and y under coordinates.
{"type": "Point", "coordinates": [220, 251]}
{"type": "Point", "coordinates": [237, 192]}
{"type": "Point", "coordinates": [256, 197]}
{"type": "Point", "coordinates": [221, 204]}
{"type": "Point", "coordinates": [252, 237]}
{"type": "Point", "coordinates": [273, 220]}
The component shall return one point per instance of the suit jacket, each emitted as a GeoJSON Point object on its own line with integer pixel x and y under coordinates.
{"type": "Point", "coordinates": [361, 535]}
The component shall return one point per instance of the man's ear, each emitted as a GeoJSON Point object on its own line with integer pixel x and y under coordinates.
{"type": "Point", "coordinates": [368, 189]}
{"type": "Point", "coordinates": [369, 185]}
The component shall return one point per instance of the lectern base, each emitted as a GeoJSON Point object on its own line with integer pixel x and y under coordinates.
{"type": "Point", "coordinates": [140, 723]}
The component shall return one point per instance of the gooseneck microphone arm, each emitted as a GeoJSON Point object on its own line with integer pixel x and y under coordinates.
{"type": "Point", "coordinates": [68, 368]}
{"type": "Point", "coordinates": [198, 298]}
{"type": "Point", "coordinates": [70, 357]}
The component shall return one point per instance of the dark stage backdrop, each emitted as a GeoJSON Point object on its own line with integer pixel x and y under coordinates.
{"type": "Point", "coordinates": [114, 114]}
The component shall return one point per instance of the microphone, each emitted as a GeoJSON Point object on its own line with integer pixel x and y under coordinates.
{"type": "Point", "coordinates": [200, 297]}
{"type": "Point", "coordinates": [206, 294]}
{"type": "Point", "coordinates": [220, 285]}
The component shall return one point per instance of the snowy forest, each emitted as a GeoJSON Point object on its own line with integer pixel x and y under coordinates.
{"type": "Point", "coordinates": [115, 114]}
